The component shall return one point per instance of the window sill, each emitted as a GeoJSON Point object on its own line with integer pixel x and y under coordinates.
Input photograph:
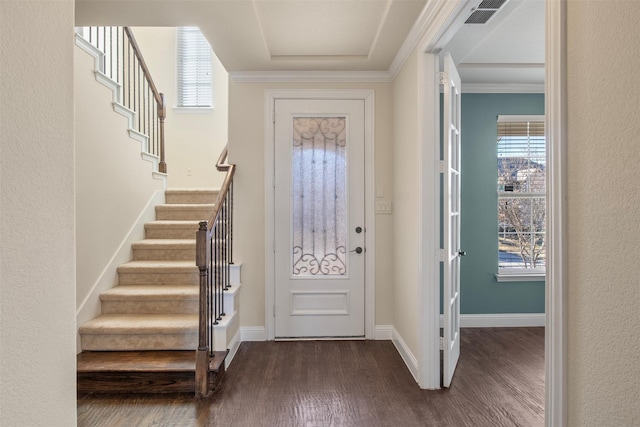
{"type": "Point", "coordinates": [193, 110]}
{"type": "Point", "coordinates": [520, 277]}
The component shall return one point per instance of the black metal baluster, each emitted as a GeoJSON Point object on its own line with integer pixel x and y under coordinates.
{"type": "Point", "coordinates": [129, 72]}
{"type": "Point", "coordinates": [118, 54]}
{"type": "Point", "coordinates": [231, 223]}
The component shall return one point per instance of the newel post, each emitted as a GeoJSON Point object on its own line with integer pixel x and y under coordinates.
{"type": "Point", "coordinates": [202, 353]}
{"type": "Point", "coordinates": [162, 114]}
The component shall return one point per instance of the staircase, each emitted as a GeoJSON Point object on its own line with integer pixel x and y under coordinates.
{"type": "Point", "coordinates": [146, 337]}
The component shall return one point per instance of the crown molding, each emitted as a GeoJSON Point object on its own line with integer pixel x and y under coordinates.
{"type": "Point", "coordinates": [503, 88]}
{"type": "Point", "coordinates": [310, 76]}
{"type": "Point", "coordinates": [433, 22]}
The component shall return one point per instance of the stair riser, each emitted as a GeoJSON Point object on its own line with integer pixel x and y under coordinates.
{"type": "Point", "coordinates": [222, 335]}
{"type": "Point", "coordinates": [150, 307]}
{"type": "Point", "coordinates": [124, 305]}
{"type": "Point", "coordinates": [164, 254]}
{"type": "Point", "coordinates": [136, 382]}
{"type": "Point", "coordinates": [190, 197]}
{"type": "Point", "coordinates": [128, 342]}
{"type": "Point", "coordinates": [170, 233]}
{"type": "Point", "coordinates": [159, 278]}
{"type": "Point", "coordinates": [182, 214]}
{"type": "Point", "coordinates": [231, 302]}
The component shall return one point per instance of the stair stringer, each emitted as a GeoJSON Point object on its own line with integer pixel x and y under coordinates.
{"type": "Point", "coordinates": [118, 107]}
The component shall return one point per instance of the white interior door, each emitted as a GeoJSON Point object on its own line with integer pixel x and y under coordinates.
{"type": "Point", "coordinates": [451, 221]}
{"type": "Point", "coordinates": [319, 218]}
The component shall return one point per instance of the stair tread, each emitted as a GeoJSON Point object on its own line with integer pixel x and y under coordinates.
{"type": "Point", "coordinates": [127, 324]}
{"type": "Point", "coordinates": [168, 265]}
{"type": "Point", "coordinates": [178, 206]}
{"type": "Point", "coordinates": [165, 243]}
{"type": "Point", "coordinates": [190, 190]}
{"type": "Point", "coordinates": [162, 360]}
{"type": "Point", "coordinates": [174, 223]}
{"type": "Point", "coordinates": [144, 361]}
{"type": "Point", "coordinates": [159, 292]}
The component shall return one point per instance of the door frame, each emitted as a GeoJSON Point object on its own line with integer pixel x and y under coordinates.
{"type": "Point", "coordinates": [368, 96]}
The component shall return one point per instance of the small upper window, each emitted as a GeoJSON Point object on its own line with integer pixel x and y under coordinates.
{"type": "Point", "coordinates": [521, 185]}
{"type": "Point", "coordinates": [194, 68]}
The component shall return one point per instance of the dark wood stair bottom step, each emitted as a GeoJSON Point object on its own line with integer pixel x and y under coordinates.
{"type": "Point", "coordinates": [143, 371]}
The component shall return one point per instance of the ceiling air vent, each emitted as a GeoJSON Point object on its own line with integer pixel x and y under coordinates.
{"type": "Point", "coordinates": [485, 11]}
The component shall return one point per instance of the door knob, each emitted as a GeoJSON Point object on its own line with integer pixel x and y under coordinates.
{"type": "Point", "coordinates": [357, 250]}
{"type": "Point", "coordinates": [461, 253]}
{"type": "Point", "coordinates": [358, 230]}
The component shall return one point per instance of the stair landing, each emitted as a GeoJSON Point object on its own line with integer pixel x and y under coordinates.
{"type": "Point", "coordinates": [144, 371]}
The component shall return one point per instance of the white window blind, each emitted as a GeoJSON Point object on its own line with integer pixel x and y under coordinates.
{"type": "Point", "coordinates": [521, 183]}
{"type": "Point", "coordinates": [194, 68]}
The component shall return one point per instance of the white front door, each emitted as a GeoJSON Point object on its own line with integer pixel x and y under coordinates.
{"type": "Point", "coordinates": [319, 218]}
{"type": "Point", "coordinates": [451, 221]}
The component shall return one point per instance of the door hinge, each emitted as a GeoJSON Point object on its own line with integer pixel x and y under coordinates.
{"type": "Point", "coordinates": [441, 254]}
{"type": "Point", "coordinates": [442, 166]}
{"type": "Point", "coordinates": [442, 78]}
{"type": "Point", "coordinates": [441, 343]}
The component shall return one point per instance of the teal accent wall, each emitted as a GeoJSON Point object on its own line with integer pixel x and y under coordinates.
{"type": "Point", "coordinates": [481, 293]}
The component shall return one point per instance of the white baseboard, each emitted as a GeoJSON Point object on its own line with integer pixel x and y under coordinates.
{"type": "Point", "coordinates": [500, 320]}
{"type": "Point", "coordinates": [253, 333]}
{"type": "Point", "coordinates": [258, 333]}
{"type": "Point", "coordinates": [90, 306]}
{"type": "Point", "coordinates": [383, 332]}
{"type": "Point", "coordinates": [406, 354]}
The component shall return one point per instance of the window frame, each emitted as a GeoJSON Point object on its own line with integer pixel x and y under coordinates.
{"type": "Point", "coordinates": [519, 274]}
{"type": "Point", "coordinates": [189, 40]}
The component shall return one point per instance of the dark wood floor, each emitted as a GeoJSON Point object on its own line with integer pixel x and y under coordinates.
{"type": "Point", "coordinates": [499, 382]}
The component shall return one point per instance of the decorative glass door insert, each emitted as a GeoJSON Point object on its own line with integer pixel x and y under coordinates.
{"type": "Point", "coordinates": [319, 196]}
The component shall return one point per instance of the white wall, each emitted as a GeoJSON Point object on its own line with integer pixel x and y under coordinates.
{"type": "Point", "coordinates": [193, 141]}
{"type": "Point", "coordinates": [246, 148]}
{"type": "Point", "coordinates": [37, 222]}
{"type": "Point", "coordinates": [406, 180]}
{"type": "Point", "coordinates": [114, 186]}
{"type": "Point", "coordinates": [603, 188]}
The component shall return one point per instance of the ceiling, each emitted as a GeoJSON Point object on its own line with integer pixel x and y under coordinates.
{"type": "Point", "coordinates": [508, 49]}
{"type": "Point", "coordinates": [337, 35]}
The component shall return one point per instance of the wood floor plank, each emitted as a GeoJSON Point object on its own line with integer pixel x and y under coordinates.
{"type": "Point", "coordinates": [499, 382]}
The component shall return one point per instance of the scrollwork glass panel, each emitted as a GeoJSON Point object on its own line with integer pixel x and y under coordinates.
{"type": "Point", "coordinates": [319, 203]}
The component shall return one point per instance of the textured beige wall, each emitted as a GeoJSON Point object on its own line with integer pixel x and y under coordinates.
{"type": "Point", "coordinates": [113, 183]}
{"type": "Point", "coordinates": [406, 179]}
{"type": "Point", "coordinates": [247, 148]}
{"type": "Point", "coordinates": [603, 152]}
{"type": "Point", "coordinates": [193, 140]}
{"type": "Point", "coordinates": [37, 223]}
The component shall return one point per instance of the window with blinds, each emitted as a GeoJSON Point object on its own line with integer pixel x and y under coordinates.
{"type": "Point", "coordinates": [194, 68]}
{"type": "Point", "coordinates": [521, 183]}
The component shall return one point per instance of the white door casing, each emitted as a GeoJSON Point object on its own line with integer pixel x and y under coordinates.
{"type": "Point", "coordinates": [451, 221]}
{"type": "Point", "coordinates": [319, 222]}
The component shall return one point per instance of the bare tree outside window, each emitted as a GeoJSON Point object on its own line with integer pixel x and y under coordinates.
{"type": "Point", "coordinates": [521, 193]}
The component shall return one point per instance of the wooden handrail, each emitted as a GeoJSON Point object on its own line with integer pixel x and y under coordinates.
{"type": "Point", "coordinates": [159, 97]}
{"type": "Point", "coordinates": [221, 164]}
{"type": "Point", "coordinates": [136, 49]}
{"type": "Point", "coordinates": [214, 256]}
{"type": "Point", "coordinates": [221, 195]}
{"type": "Point", "coordinates": [123, 62]}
